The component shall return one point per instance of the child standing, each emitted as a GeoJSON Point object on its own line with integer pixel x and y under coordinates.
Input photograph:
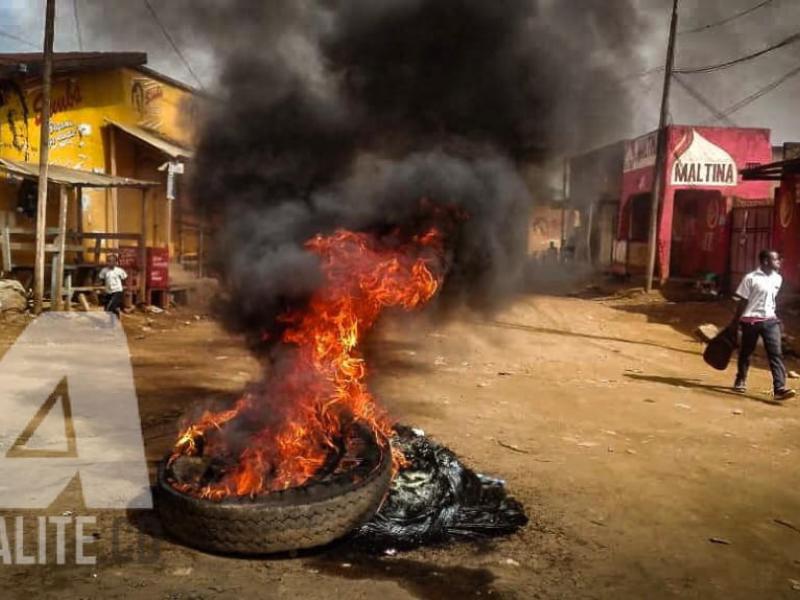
{"type": "Point", "coordinates": [113, 276]}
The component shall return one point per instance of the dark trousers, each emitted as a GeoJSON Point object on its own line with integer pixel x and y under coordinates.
{"type": "Point", "coordinates": [114, 302]}
{"type": "Point", "coordinates": [770, 333]}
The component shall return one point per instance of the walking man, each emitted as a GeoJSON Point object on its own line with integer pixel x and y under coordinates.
{"type": "Point", "coordinates": [756, 315]}
{"type": "Point", "coordinates": [113, 276]}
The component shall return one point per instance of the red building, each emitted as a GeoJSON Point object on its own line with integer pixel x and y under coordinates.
{"type": "Point", "coordinates": [786, 216]}
{"type": "Point", "coordinates": [702, 186]}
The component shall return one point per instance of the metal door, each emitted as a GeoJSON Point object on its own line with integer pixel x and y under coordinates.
{"type": "Point", "coordinates": [751, 232]}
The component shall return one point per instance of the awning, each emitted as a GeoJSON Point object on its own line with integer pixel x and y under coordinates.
{"type": "Point", "coordinates": [66, 176]}
{"type": "Point", "coordinates": [169, 148]}
{"type": "Point", "coordinates": [772, 171]}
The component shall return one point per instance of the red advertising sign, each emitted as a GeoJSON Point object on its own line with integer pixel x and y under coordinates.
{"type": "Point", "coordinates": [158, 268]}
{"type": "Point", "coordinates": [128, 257]}
{"type": "Point", "coordinates": [701, 162]}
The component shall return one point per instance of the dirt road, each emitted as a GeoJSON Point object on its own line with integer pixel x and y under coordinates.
{"type": "Point", "coordinates": [643, 476]}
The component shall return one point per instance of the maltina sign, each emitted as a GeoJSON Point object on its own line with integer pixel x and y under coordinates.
{"type": "Point", "coordinates": [704, 163]}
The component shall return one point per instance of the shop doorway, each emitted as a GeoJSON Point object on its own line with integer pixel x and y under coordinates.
{"type": "Point", "coordinates": [698, 234]}
{"type": "Point", "coordinates": [603, 234]}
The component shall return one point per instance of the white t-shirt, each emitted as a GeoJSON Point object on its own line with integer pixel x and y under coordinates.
{"type": "Point", "coordinates": [113, 278]}
{"type": "Point", "coordinates": [760, 290]}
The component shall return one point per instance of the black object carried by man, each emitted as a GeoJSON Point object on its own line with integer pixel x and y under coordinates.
{"type": "Point", "coordinates": [720, 349]}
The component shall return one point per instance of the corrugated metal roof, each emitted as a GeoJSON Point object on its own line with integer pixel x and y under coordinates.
{"type": "Point", "coordinates": [30, 63]}
{"type": "Point", "coordinates": [772, 171]}
{"type": "Point", "coordinates": [66, 176]}
{"type": "Point", "coordinates": [169, 148]}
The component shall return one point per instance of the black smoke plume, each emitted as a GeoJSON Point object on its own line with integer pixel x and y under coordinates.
{"type": "Point", "coordinates": [348, 114]}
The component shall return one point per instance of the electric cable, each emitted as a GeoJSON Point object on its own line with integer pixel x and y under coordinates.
{"type": "Point", "coordinates": [172, 43]}
{"type": "Point", "coordinates": [708, 68]}
{"type": "Point", "coordinates": [77, 24]}
{"type": "Point", "coordinates": [11, 36]}
{"type": "Point", "coordinates": [727, 19]}
{"type": "Point", "coordinates": [719, 114]}
{"type": "Point", "coordinates": [761, 92]}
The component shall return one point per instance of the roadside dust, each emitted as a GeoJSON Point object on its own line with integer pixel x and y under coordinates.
{"type": "Point", "coordinates": [629, 454]}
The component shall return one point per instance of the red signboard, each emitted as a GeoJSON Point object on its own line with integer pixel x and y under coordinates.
{"type": "Point", "coordinates": [158, 268]}
{"type": "Point", "coordinates": [785, 227]}
{"type": "Point", "coordinates": [128, 257]}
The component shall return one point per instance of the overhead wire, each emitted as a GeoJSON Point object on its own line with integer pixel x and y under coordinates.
{"type": "Point", "coordinates": [720, 115]}
{"type": "Point", "coordinates": [172, 43]}
{"type": "Point", "coordinates": [16, 38]}
{"type": "Point", "coordinates": [699, 97]}
{"type": "Point", "coordinates": [708, 68]}
{"type": "Point", "coordinates": [77, 24]}
{"type": "Point", "coordinates": [726, 20]}
{"type": "Point", "coordinates": [795, 37]}
{"type": "Point", "coordinates": [724, 114]}
{"type": "Point", "coordinates": [761, 92]}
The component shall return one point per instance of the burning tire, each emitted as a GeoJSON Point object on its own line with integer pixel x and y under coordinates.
{"type": "Point", "coordinates": [292, 519]}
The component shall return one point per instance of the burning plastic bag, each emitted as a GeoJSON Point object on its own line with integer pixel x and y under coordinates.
{"type": "Point", "coordinates": [437, 499]}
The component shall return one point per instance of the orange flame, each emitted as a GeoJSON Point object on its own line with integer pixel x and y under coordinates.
{"type": "Point", "coordinates": [323, 391]}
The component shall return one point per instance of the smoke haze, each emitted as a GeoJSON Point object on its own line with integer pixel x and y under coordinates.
{"type": "Point", "coordinates": [348, 115]}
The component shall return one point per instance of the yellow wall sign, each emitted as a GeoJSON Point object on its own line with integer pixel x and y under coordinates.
{"type": "Point", "coordinates": [81, 106]}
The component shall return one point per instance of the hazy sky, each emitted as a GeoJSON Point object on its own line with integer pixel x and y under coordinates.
{"type": "Point", "coordinates": [770, 24]}
{"type": "Point", "coordinates": [764, 27]}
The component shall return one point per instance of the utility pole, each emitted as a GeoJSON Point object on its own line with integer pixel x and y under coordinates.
{"type": "Point", "coordinates": [564, 197]}
{"type": "Point", "coordinates": [44, 147]}
{"type": "Point", "coordinates": [661, 152]}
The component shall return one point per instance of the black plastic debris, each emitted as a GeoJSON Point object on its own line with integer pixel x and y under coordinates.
{"type": "Point", "coordinates": [436, 499]}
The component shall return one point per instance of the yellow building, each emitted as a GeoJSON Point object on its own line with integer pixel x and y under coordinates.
{"type": "Point", "coordinates": [110, 115]}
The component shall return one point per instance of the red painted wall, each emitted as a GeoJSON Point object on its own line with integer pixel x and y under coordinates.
{"type": "Point", "coordinates": [786, 229]}
{"type": "Point", "coordinates": [745, 147]}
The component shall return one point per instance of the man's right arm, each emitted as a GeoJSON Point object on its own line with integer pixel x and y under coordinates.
{"type": "Point", "coordinates": [742, 294]}
{"type": "Point", "coordinates": [740, 307]}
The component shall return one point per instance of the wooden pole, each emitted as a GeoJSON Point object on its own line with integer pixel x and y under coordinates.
{"type": "Point", "coordinates": [589, 225]}
{"type": "Point", "coordinates": [143, 251]}
{"type": "Point", "coordinates": [565, 194]}
{"type": "Point", "coordinates": [78, 190]}
{"type": "Point", "coordinates": [44, 146]}
{"type": "Point", "coordinates": [170, 203]}
{"type": "Point", "coordinates": [200, 247]}
{"type": "Point", "coordinates": [112, 152]}
{"type": "Point", "coordinates": [69, 291]}
{"type": "Point", "coordinates": [661, 153]}
{"type": "Point", "coordinates": [79, 208]}
{"type": "Point", "coordinates": [179, 216]}
{"type": "Point", "coordinates": [58, 292]}
{"type": "Point", "coordinates": [84, 303]}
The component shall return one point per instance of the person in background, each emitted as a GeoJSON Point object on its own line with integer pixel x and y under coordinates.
{"type": "Point", "coordinates": [756, 316]}
{"type": "Point", "coordinates": [112, 276]}
{"type": "Point", "coordinates": [552, 253]}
